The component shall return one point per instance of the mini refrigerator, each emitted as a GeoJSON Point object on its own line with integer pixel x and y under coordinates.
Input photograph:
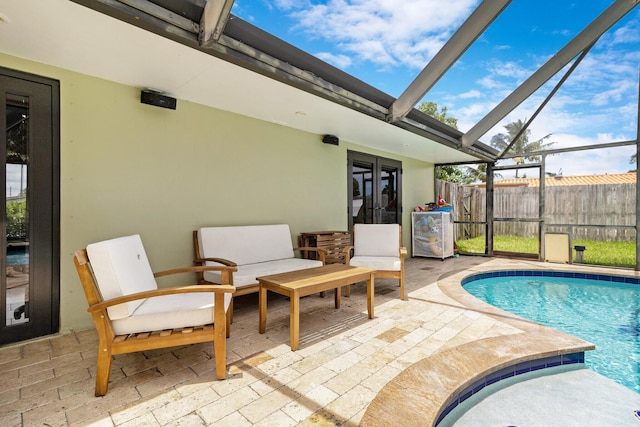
{"type": "Point", "coordinates": [432, 234]}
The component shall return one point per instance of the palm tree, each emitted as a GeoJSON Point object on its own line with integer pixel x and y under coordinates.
{"type": "Point", "coordinates": [522, 145]}
{"type": "Point", "coordinates": [477, 174]}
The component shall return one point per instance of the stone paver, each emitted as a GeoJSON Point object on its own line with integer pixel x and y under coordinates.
{"type": "Point", "coordinates": [343, 362]}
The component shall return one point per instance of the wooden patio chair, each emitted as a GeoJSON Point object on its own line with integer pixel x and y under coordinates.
{"type": "Point", "coordinates": [379, 247]}
{"type": "Point", "coordinates": [132, 314]}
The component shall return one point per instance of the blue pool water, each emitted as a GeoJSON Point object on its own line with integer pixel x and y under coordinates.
{"type": "Point", "coordinates": [17, 258]}
{"type": "Point", "coordinates": [604, 312]}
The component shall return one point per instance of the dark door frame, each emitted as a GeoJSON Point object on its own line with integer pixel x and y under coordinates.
{"type": "Point", "coordinates": [378, 164]}
{"type": "Point", "coordinates": [44, 204]}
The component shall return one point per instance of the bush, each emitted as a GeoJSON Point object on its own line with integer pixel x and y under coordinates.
{"type": "Point", "coordinates": [17, 221]}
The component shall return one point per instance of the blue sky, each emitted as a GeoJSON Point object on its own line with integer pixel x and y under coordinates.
{"type": "Point", "coordinates": [386, 43]}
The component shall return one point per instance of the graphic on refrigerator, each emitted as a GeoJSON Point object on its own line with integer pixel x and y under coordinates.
{"type": "Point", "coordinates": [432, 234]}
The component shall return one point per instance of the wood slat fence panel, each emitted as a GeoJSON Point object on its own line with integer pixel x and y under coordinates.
{"type": "Point", "coordinates": [608, 205]}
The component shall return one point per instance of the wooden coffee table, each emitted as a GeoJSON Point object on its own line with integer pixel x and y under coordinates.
{"type": "Point", "coordinates": [296, 284]}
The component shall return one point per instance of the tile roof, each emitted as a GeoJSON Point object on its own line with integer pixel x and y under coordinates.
{"type": "Point", "coordinates": [556, 181]}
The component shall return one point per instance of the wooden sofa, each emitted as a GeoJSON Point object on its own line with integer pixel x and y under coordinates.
{"type": "Point", "coordinates": [254, 251]}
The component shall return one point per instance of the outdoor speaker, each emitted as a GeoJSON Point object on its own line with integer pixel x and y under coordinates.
{"type": "Point", "coordinates": [330, 139]}
{"type": "Point", "coordinates": [159, 100]}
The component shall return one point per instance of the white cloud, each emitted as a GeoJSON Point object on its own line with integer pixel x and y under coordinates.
{"type": "Point", "coordinates": [384, 32]}
{"type": "Point", "coordinates": [470, 94]}
{"type": "Point", "coordinates": [508, 69]}
{"type": "Point", "coordinates": [340, 61]}
{"type": "Point", "coordinates": [617, 92]}
{"type": "Point", "coordinates": [589, 162]}
{"type": "Point", "coordinates": [489, 82]}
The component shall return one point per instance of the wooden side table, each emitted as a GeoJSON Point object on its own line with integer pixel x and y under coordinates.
{"type": "Point", "coordinates": [332, 241]}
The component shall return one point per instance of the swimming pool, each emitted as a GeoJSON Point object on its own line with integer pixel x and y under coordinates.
{"type": "Point", "coordinates": [601, 309]}
{"type": "Point", "coordinates": [17, 257]}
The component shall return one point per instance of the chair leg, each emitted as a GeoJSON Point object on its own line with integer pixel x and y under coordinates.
{"type": "Point", "coordinates": [103, 370]}
{"type": "Point", "coordinates": [231, 311]}
{"type": "Point", "coordinates": [228, 318]}
{"type": "Point", "coordinates": [220, 336]}
{"type": "Point", "coordinates": [402, 295]}
{"type": "Point", "coordinates": [347, 291]}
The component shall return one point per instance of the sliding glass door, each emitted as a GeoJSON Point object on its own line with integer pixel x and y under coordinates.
{"type": "Point", "coordinates": [29, 252]}
{"type": "Point", "coordinates": [375, 189]}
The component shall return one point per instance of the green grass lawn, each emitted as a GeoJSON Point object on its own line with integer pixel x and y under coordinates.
{"type": "Point", "coordinates": [617, 254]}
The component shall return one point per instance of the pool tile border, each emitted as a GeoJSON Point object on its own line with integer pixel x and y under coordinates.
{"type": "Point", "coordinates": [480, 361]}
{"type": "Point", "coordinates": [533, 365]}
{"type": "Point", "coordinates": [551, 273]}
{"type": "Point", "coordinates": [510, 372]}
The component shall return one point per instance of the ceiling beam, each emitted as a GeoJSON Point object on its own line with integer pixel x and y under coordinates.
{"type": "Point", "coordinates": [470, 30]}
{"type": "Point", "coordinates": [549, 152]}
{"type": "Point", "coordinates": [162, 14]}
{"type": "Point", "coordinates": [546, 100]}
{"type": "Point", "coordinates": [579, 43]}
{"type": "Point", "coordinates": [214, 18]}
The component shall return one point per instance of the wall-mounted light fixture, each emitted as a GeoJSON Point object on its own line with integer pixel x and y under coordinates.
{"type": "Point", "coordinates": [157, 98]}
{"type": "Point", "coordinates": [330, 139]}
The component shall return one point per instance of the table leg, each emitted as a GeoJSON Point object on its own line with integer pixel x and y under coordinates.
{"type": "Point", "coordinates": [336, 297]}
{"type": "Point", "coordinates": [370, 291]}
{"type": "Point", "coordinates": [262, 308]}
{"type": "Point", "coordinates": [294, 320]}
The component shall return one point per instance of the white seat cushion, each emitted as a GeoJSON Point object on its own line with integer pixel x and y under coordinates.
{"type": "Point", "coordinates": [246, 274]}
{"type": "Point", "coordinates": [381, 263]}
{"type": "Point", "coordinates": [121, 267]}
{"type": "Point", "coordinates": [376, 240]}
{"type": "Point", "coordinates": [170, 312]}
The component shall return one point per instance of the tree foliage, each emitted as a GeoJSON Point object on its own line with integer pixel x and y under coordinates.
{"type": "Point", "coordinates": [447, 173]}
{"type": "Point", "coordinates": [431, 108]}
{"type": "Point", "coordinates": [451, 173]}
{"type": "Point", "coordinates": [522, 146]}
{"type": "Point", "coordinates": [17, 220]}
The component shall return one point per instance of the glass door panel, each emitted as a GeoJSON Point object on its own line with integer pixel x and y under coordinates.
{"type": "Point", "coordinates": [389, 208]}
{"type": "Point", "coordinates": [362, 202]}
{"type": "Point", "coordinates": [29, 216]}
{"type": "Point", "coordinates": [16, 159]}
{"type": "Point", "coordinates": [375, 189]}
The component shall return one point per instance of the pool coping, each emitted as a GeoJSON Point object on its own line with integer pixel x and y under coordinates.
{"type": "Point", "coordinates": [453, 372]}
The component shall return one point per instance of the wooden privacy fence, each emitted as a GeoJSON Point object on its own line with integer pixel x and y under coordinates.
{"type": "Point", "coordinates": [607, 205]}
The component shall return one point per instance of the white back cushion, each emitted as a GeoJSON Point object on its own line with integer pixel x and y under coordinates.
{"type": "Point", "coordinates": [246, 244]}
{"type": "Point", "coordinates": [121, 267]}
{"type": "Point", "coordinates": [376, 240]}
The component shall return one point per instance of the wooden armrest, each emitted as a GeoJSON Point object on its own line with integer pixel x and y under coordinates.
{"type": "Point", "coordinates": [403, 251]}
{"type": "Point", "coordinates": [194, 269]}
{"type": "Point", "coordinates": [218, 260]}
{"type": "Point", "coordinates": [160, 292]}
{"type": "Point", "coordinates": [347, 255]}
{"type": "Point", "coordinates": [322, 253]}
{"type": "Point", "coordinates": [309, 248]}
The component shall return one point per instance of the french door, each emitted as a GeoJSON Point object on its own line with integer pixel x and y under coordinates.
{"type": "Point", "coordinates": [374, 189]}
{"type": "Point", "coordinates": [29, 212]}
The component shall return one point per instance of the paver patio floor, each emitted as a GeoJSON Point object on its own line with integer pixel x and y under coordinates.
{"type": "Point", "coordinates": [343, 361]}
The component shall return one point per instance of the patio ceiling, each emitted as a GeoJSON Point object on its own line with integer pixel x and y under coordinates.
{"type": "Point", "coordinates": [197, 51]}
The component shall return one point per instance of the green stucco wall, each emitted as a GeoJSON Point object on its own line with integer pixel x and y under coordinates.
{"type": "Point", "coordinates": [132, 168]}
